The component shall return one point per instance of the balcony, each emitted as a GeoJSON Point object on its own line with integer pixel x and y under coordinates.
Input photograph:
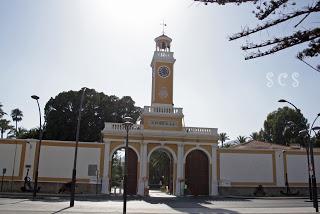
{"type": "Point", "coordinates": [162, 110]}
{"type": "Point", "coordinates": [118, 128]}
{"type": "Point", "coordinates": [162, 56]}
{"type": "Point", "coordinates": [200, 131]}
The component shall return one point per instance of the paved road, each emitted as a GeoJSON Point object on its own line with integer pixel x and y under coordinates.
{"type": "Point", "coordinates": [52, 205]}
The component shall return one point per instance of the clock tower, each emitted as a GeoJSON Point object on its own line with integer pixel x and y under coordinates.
{"type": "Point", "coordinates": [162, 115]}
{"type": "Point", "coordinates": [162, 72]}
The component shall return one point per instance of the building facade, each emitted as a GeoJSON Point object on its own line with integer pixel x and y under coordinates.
{"type": "Point", "coordinates": [192, 149]}
{"type": "Point", "coordinates": [196, 162]}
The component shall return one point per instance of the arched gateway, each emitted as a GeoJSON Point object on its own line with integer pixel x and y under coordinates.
{"type": "Point", "coordinates": [161, 128]}
{"type": "Point", "coordinates": [197, 173]}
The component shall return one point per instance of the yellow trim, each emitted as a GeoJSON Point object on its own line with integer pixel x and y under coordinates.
{"type": "Point", "coordinates": [252, 183]}
{"type": "Point", "coordinates": [35, 160]}
{"type": "Point", "coordinates": [299, 152]}
{"type": "Point", "coordinates": [72, 144]}
{"type": "Point", "coordinates": [22, 160]}
{"type": "Point", "coordinates": [64, 180]}
{"type": "Point", "coordinates": [246, 151]}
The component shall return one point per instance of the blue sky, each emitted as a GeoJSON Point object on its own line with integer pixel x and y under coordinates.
{"type": "Point", "coordinates": [47, 47]}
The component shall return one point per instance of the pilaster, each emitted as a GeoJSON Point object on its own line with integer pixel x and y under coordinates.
{"type": "Point", "coordinates": [143, 178]}
{"type": "Point", "coordinates": [214, 179]}
{"type": "Point", "coordinates": [180, 174]}
{"type": "Point", "coordinates": [279, 164]}
{"type": "Point", "coordinates": [105, 187]}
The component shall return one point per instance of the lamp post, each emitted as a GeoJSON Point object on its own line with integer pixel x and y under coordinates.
{"type": "Point", "coordinates": [35, 187]}
{"type": "Point", "coordinates": [4, 170]}
{"type": "Point", "coordinates": [74, 170]}
{"type": "Point", "coordinates": [127, 124]}
{"type": "Point", "coordinates": [313, 177]}
{"type": "Point", "coordinates": [312, 168]}
{"type": "Point", "coordinates": [307, 146]}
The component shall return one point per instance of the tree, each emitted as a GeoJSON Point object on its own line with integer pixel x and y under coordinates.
{"type": "Point", "coordinates": [116, 168]}
{"type": "Point", "coordinates": [283, 125]}
{"type": "Point", "coordinates": [159, 166]}
{"type": "Point", "coordinates": [16, 115]}
{"type": "Point", "coordinates": [254, 136]}
{"type": "Point", "coordinates": [61, 114]}
{"type": "Point", "coordinates": [33, 133]}
{"type": "Point", "coordinates": [241, 139]}
{"type": "Point", "coordinates": [275, 13]}
{"type": "Point", "coordinates": [1, 111]}
{"type": "Point", "coordinates": [223, 137]}
{"type": "Point", "coordinates": [17, 134]}
{"type": "Point", "coordinates": [4, 126]}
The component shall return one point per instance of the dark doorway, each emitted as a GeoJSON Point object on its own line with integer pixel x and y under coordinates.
{"type": "Point", "coordinates": [161, 171]}
{"type": "Point", "coordinates": [197, 173]}
{"type": "Point", "coordinates": [117, 170]}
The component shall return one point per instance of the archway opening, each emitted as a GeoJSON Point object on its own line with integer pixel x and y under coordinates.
{"type": "Point", "coordinates": [197, 173]}
{"type": "Point", "coordinates": [160, 172]}
{"type": "Point", "coordinates": [117, 172]}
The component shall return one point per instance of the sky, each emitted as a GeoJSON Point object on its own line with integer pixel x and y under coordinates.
{"type": "Point", "coordinates": [51, 46]}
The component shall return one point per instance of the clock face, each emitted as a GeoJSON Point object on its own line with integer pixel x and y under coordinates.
{"type": "Point", "coordinates": [163, 71]}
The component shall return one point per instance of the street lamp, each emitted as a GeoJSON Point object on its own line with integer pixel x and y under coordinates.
{"type": "Point", "coordinates": [285, 101]}
{"type": "Point", "coordinates": [127, 125]}
{"type": "Point", "coordinates": [74, 170]}
{"type": "Point", "coordinates": [312, 168]}
{"type": "Point", "coordinates": [308, 150]}
{"type": "Point", "coordinates": [35, 188]}
{"type": "Point", "coordinates": [306, 146]}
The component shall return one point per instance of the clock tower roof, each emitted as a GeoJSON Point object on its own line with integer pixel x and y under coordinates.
{"type": "Point", "coordinates": [163, 43]}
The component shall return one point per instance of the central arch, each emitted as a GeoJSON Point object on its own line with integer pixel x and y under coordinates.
{"type": "Point", "coordinates": [161, 163]}
{"type": "Point", "coordinates": [197, 173]}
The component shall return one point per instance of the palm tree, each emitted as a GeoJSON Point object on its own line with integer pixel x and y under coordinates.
{"type": "Point", "coordinates": [241, 139]}
{"type": "Point", "coordinates": [4, 126]}
{"type": "Point", "coordinates": [223, 137]}
{"type": "Point", "coordinates": [254, 136]}
{"type": "Point", "coordinates": [16, 115]}
{"type": "Point", "coordinates": [19, 134]}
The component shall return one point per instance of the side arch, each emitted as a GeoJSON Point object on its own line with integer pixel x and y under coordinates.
{"type": "Point", "coordinates": [197, 148]}
{"type": "Point", "coordinates": [123, 146]}
{"type": "Point", "coordinates": [197, 173]}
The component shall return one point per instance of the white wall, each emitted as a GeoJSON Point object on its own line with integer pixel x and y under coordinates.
{"type": "Point", "coordinates": [57, 161]}
{"type": "Point", "coordinates": [297, 168]}
{"type": "Point", "coordinates": [7, 158]}
{"type": "Point", "coordinates": [245, 167]}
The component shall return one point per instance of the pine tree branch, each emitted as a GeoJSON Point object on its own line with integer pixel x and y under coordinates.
{"type": "Point", "coordinates": [270, 8]}
{"type": "Point", "coordinates": [222, 2]}
{"type": "Point", "coordinates": [297, 35]}
{"type": "Point", "coordinates": [308, 64]}
{"type": "Point", "coordinates": [312, 51]}
{"type": "Point", "coordinates": [286, 43]}
{"type": "Point", "coordinates": [274, 22]}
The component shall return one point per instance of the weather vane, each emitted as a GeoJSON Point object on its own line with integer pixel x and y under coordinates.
{"type": "Point", "coordinates": [163, 26]}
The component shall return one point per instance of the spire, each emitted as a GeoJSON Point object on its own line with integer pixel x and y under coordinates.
{"type": "Point", "coordinates": [163, 26]}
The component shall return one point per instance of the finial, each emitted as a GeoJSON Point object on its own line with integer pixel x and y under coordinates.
{"type": "Point", "coordinates": [163, 26]}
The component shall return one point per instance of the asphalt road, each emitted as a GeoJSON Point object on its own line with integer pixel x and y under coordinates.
{"type": "Point", "coordinates": [52, 205]}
